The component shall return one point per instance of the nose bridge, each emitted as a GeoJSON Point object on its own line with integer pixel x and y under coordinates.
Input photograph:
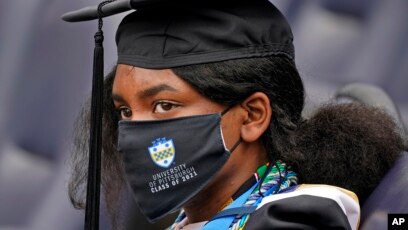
{"type": "Point", "coordinates": [138, 115]}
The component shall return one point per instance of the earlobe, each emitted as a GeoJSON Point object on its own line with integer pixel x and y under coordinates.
{"type": "Point", "coordinates": [258, 116]}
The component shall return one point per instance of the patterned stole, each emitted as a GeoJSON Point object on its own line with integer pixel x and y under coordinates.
{"type": "Point", "coordinates": [276, 178]}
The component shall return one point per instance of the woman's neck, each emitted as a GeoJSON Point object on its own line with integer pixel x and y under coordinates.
{"type": "Point", "coordinates": [214, 197]}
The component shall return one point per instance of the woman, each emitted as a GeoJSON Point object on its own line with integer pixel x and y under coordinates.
{"type": "Point", "coordinates": [203, 114]}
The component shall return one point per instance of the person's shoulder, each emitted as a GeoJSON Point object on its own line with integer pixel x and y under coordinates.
{"type": "Point", "coordinates": [307, 207]}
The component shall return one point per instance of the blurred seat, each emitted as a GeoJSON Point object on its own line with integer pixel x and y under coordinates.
{"type": "Point", "coordinates": [372, 95]}
{"type": "Point", "coordinates": [390, 196]}
{"type": "Point", "coordinates": [327, 33]}
{"type": "Point", "coordinates": [23, 176]}
{"type": "Point", "coordinates": [338, 42]}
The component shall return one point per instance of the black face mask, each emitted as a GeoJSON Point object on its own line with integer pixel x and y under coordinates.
{"type": "Point", "coordinates": [167, 162]}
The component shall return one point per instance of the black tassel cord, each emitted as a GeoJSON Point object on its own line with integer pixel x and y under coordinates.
{"type": "Point", "coordinates": [95, 140]}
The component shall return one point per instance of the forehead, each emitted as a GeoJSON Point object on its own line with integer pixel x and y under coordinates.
{"type": "Point", "coordinates": [144, 74]}
{"type": "Point", "coordinates": [130, 79]}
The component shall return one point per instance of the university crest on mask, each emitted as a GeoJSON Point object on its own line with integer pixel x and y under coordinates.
{"type": "Point", "coordinates": [162, 152]}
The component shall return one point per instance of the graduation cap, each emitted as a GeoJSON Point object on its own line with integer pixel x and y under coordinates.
{"type": "Point", "coordinates": [162, 34]}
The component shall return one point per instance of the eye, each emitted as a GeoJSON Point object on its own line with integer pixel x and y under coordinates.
{"type": "Point", "coordinates": [125, 113]}
{"type": "Point", "coordinates": [163, 107]}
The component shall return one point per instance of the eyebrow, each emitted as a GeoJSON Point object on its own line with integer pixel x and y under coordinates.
{"type": "Point", "coordinates": [149, 92]}
{"type": "Point", "coordinates": [118, 98]}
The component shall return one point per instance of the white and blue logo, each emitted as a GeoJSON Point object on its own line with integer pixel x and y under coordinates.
{"type": "Point", "coordinates": [162, 152]}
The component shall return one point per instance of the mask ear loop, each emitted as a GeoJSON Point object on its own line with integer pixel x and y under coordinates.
{"type": "Point", "coordinates": [239, 140]}
{"type": "Point", "coordinates": [235, 145]}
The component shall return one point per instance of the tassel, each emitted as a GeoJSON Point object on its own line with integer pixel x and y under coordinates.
{"type": "Point", "coordinates": [95, 140]}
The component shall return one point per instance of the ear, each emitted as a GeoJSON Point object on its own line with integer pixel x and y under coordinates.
{"type": "Point", "coordinates": [258, 116]}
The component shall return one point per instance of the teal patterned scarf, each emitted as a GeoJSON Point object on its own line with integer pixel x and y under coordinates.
{"type": "Point", "coordinates": [276, 179]}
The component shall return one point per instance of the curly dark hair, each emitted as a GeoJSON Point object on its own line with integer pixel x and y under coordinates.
{"type": "Point", "coordinates": [350, 145]}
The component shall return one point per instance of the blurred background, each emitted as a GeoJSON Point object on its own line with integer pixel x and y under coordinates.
{"type": "Point", "coordinates": [45, 77]}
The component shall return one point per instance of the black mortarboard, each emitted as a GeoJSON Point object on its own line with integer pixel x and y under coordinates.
{"type": "Point", "coordinates": [166, 34]}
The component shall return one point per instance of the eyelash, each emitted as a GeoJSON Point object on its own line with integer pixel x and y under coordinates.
{"type": "Point", "coordinates": [122, 110]}
{"type": "Point", "coordinates": [164, 103]}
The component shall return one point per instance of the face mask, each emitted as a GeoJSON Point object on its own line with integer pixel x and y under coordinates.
{"type": "Point", "coordinates": [167, 162]}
